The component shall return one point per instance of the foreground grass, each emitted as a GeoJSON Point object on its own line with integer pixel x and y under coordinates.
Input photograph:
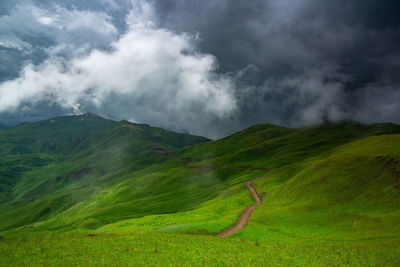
{"type": "Point", "coordinates": [160, 249]}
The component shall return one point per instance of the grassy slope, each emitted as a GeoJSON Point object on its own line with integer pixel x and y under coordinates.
{"type": "Point", "coordinates": [352, 193]}
{"type": "Point", "coordinates": [319, 193]}
{"type": "Point", "coordinates": [331, 198]}
{"type": "Point", "coordinates": [50, 166]}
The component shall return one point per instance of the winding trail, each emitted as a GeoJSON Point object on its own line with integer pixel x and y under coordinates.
{"type": "Point", "coordinates": [245, 214]}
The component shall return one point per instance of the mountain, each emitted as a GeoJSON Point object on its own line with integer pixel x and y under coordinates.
{"type": "Point", "coordinates": [72, 134]}
{"type": "Point", "coordinates": [333, 182]}
{"type": "Point", "coordinates": [49, 166]}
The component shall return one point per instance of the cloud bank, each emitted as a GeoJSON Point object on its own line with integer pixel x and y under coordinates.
{"type": "Point", "coordinates": [148, 75]}
{"type": "Point", "coordinates": [312, 60]}
{"type": "Point", "coordinates": [204, 67]}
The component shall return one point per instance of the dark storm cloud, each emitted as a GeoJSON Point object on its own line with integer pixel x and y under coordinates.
{"type": "Point", "coordinates": [288, 33]}
{"type": "Point", "coordinates": [288, 62]}
{"type": "Point", "coordinates": [290, 39]}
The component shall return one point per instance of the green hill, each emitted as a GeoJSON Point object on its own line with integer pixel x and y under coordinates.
{"type": "Point", "coordinates": [50, 166]}
{"type": "Point", "coordinates": [332, 189]}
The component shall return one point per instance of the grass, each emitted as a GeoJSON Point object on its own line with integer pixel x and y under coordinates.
{"type": "Point", "coordinates": [160, 249]}
{"type": "Point", "coordinates": [130, 194]}
{"type": "Point", "coordinates": [350, 194]}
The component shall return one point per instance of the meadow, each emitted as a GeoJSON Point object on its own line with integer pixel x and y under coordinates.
{"type": "Point", "coordinates": [162, 249]}
{"type": "Point", "coordinates": [128, 195]}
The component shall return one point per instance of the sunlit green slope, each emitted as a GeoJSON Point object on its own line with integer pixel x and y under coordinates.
{"type": "Point", "coordinates": [84, 172]}
{"type": "Point", "coordinates": [333, 182]}
{"type": "Point", "coordinates": [130, 194]}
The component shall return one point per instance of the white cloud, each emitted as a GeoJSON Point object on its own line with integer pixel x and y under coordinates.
{"type": "Point", "coordinates": [318, 95]}
{"type": "Point", "coordinates": [156, 76]}
{"type": "Point", "coordinates": [26, 25]}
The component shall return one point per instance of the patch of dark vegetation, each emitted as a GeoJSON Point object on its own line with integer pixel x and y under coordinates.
{"type": "Point", "coordinates": [158, 151]}
{"type": "Point", "coordinates": [12, 169]}
{"type": "Point", "coordinates": [78, 175]}
{"type": "Point", "coordinates": [1, 238]}
{"type": "Point", "coordinates": [42, 187]}
{"type": "Point", "coordinates": [156, 148]}
{"type": "Point", "coordinates": [322, 166]}
{"type": "Point", "coordinates": [393, 164]}
{"type": "Point", "coordinates": [19, 150]}
{"type": "Point", "coordinates": [100, 235]}
{"type": "Point", "coordinates": [395, 169]}
{"type": "Point", "coordinates": [164, 155]}
{"type": "Point", "coordinates": [200, 168]}
{"type": "Point", "coordinates": [185, 159]}
{"type": "Point", "coordinates": [43, 212]}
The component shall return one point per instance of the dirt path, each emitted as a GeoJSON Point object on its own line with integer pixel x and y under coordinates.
{"type": "Point", "coordinates": [245, 214]}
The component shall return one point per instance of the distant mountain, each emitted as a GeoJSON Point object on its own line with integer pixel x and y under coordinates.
{"type": "Point", "coordinates": [66, 135]}
{"type": "Point", "coordinates": [88, 172]}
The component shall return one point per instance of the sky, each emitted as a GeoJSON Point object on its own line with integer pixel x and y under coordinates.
{"type": "Point", "coordinates": [202, 67]}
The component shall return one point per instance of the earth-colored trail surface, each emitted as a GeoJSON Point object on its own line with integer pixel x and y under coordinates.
{"type": "Point", "coordinates": [245, 214]}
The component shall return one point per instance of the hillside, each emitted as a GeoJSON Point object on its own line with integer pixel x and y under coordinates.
{"type": "Point", "coordinates": [49, 166]}
{"type": "Point", "coordinates": [334, 182]}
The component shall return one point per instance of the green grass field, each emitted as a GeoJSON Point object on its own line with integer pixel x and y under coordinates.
{"type": "Point", "coordinates": [118, 194]}
{"type": "Point", "coordinates": [161, 249]}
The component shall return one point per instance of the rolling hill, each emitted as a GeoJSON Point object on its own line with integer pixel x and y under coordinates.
{"type": "Point", "coordinates": [333, 189]}
{"type": "Point", "coordinates": [49, 166]}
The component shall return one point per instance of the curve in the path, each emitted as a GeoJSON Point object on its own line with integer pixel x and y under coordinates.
{"type": "Point", "coordinates": [245, 214]}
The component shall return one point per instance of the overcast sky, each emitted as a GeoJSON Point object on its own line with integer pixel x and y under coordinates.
{"type": "Point", "coordinates": [203, 67]}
